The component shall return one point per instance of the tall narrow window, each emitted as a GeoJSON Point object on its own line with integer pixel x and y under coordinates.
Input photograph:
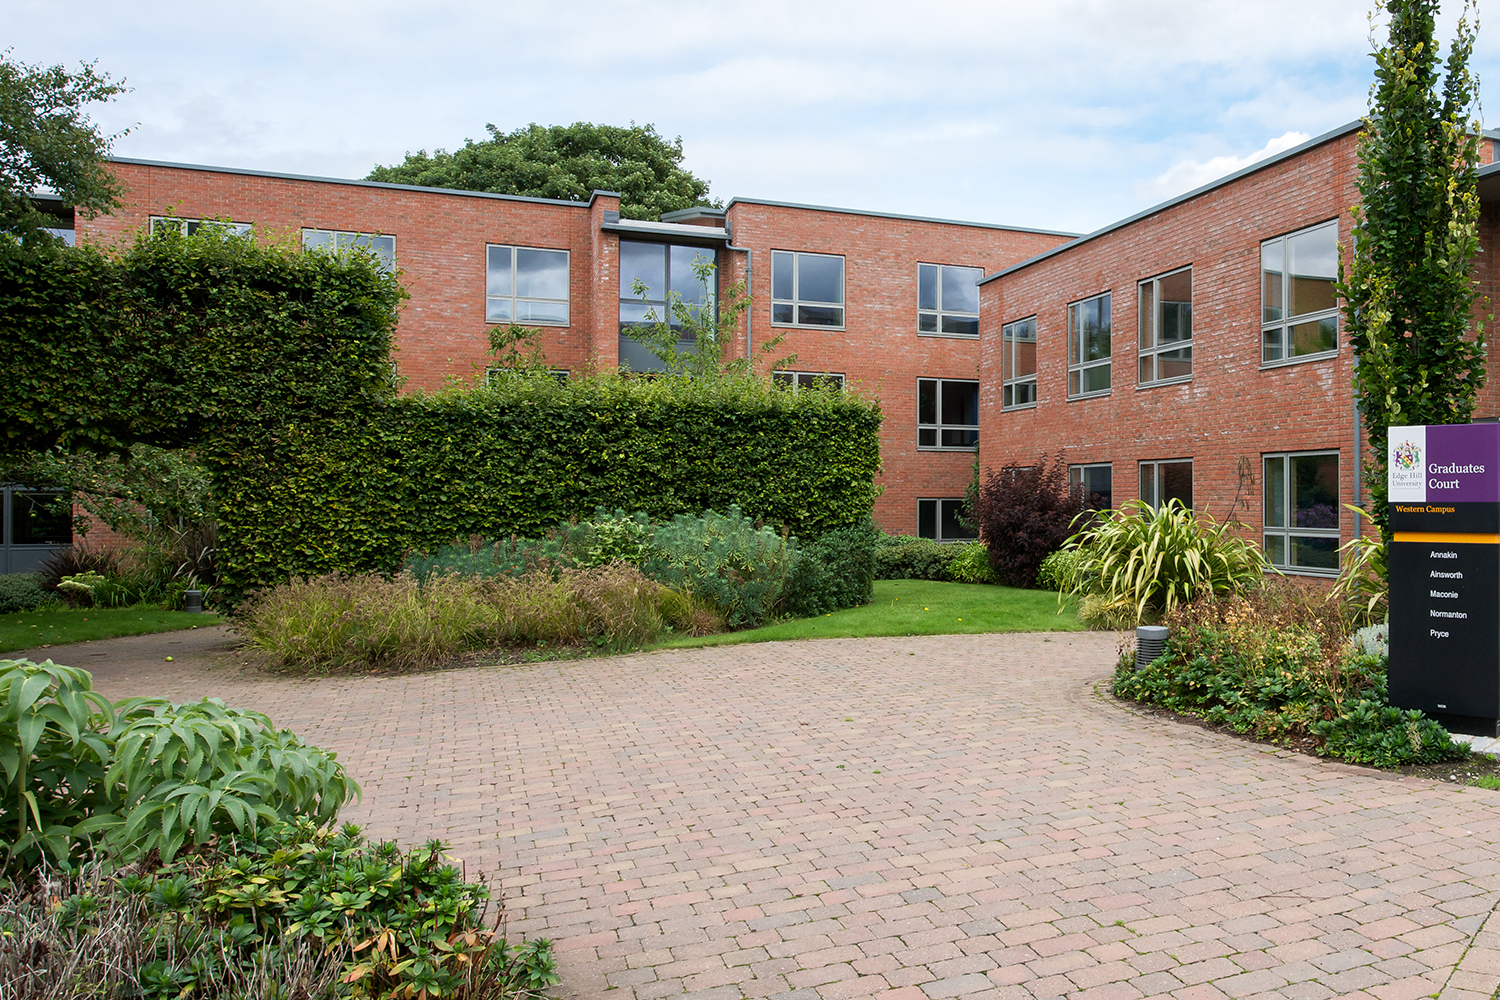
{"type": "Point", "coordinates": [1301, 493]}
{"type": "Point", "coordinates": [948, 300]}
{"type": "Point", "coordinates": [1098, 483]}
{"type": "Point", "coordinates": [1299, 311]}
{"type": "Point", "coordinates": [807, 289]}
{"type": "Point", "coordinates": [1088, 346]}
{"type": "Point", "coordinates": [1166, 324]}
{"type": "Point", "coordinates": [947, 413]}
{"type": "Point", "coordinates": [526, 285]}
{"type": "Point", "coordinates": [1018, 363]}
{"type": "Point", "coordinates": [1163, 481]}
{"type": "Point", "coordinates": [666, 273]}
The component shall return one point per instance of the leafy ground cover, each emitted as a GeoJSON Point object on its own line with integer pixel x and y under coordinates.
{"type": "Point", "coordinates": [52, 626]}
{"type": "Point", "coordinates": [916, 607]}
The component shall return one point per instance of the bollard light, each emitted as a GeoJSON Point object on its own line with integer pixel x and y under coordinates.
{"type": "Point", "coordinates": [192, 601]}
{"type": "Point", "coordinates": [1150, 642]}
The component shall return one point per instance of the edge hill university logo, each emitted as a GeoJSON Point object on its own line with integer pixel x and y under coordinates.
{"type": "Point", "coordinates": [1406, 472]}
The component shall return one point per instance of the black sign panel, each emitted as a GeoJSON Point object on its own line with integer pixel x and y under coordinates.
{"type": "Point", "coordinates": [1468, 518]}
{"type": "Point", "coordinates": [1444, 642]}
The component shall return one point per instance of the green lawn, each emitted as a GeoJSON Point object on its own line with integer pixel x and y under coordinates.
{"type": "Point", "coordinates": [918, 607]}
{"type": "Point", "coordinates": [54, 626]}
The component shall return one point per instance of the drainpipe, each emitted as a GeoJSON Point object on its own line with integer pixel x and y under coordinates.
{"type": "Point", "coordinates": [749, 313]}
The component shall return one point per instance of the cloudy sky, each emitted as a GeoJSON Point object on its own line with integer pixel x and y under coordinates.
{"type": "Point", "coordinates": [1058, 114]}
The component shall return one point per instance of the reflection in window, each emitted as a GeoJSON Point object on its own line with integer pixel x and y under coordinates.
{"type": "Point", "coordinates": [807, 289]}
{"type": "Point", "coordinates": [947, 413]}
{"type": "Point", "coordinates": [1166, 325]}
{"type": "Point", "coordinates": [526, 285]}
{"type": "Point", "coordinates": [666, 272]}
{"type": "Point", "coordinates": [808, 380]}
{"type": "Point", "coordinates": [1299, 311]}
{"type": "Point", "coordinates": [948, 299]}
{"type": "Point", "coordinates": [1163, 481]}
{"type": "Point", "coordinates": [187, 227]}
{"type": "Point", "coordinates": [333, 241]}
{"type": "Point", "coordinates": [1018, 363]}
{"type": "Point", "coordinates": [1301, 496]}
{"type": "Point", "coordinates": [1097, 483]}
{"type": "Point", "coordinates": [37, 518]}
{"type": "Point", "coordinates": [1088, 346]}
{"type": "Point", "coordinates": [939, 520]}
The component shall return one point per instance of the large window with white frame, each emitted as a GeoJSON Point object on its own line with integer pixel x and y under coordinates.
{"type": "Point", "coordinates": [948, 300]}
{"type": "Point", "coordinates": [947, 414]}
{"type": "Point", "coordinates": [526, 285]}
{"type": "Point", "coordinates": [383, 248]}
{"type": "Point", "coordinates": [1167, 480]}
{"type": "Point", "coordinates": [1301, 493]}
{"type": "Point", "coordinates": [1097, 481]}
{"type": "Point", "coordinates": [1089, 346]}
{"type": "Point", "coordinates": [1299, 310]}
{"type": "Point", "coordinates": [1166, 326]}
{"type": "Point", "coordinates": [1018, 364]}
{"type": "Point", "coordinates": [938, 519]}
{"type": "Point", "coordinates": [187, 227]}
{"type": "Point", "coordinates": [807, 289]}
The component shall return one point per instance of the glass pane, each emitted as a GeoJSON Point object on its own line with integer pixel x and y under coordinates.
{"type": "Point", "coordinates": [1176, 322]}
{"type": "Point", "coordinates": [961, 289]}
{"type": "Point", "coordinates": [385, 249]}
{"type": "Point", "coordinates": [1315, 553]}
{"type": "Point", "coordinates": [542, 274]}
{"type": "Point", "coordinates": [1074, 381]}
{"type": "Point", "coordinates": [927, 322]}
{"type": "Point", "coordinates": [641, 312]}
{"type": "Point", "coordinates": [1096, 379]}
{"type": "Point", "coordinates": [1098, 482]}
{"type": "Point", "coordinates": [646, 263]}
{"type": "Point", "coordinates": [927, 437]}
{"type": "Point", "coordinates": [684, 281]}
{"type": "Point", "coordinates": [1146, 317]}
{"type": "Point", "coordinates": [1007, 397]}
{"type": "Point", "coordinates": [819, 316]}
{"type": "Point", "coordinates": [1075, 326]}
{"type": "Point", "coordinates": [34, 520]}
{"type": "Point", "coordinates": [961, 403]}
{"type": "Point", "coordinates": [1096, 328]}
{"type": "Point", "coordinates": [926, 518]}
{"type": "Point", "coordinates": [1148, 369]}
{"type": "Point", "coordinates": [927, 407]}
{"type": "Point", "coordinates": [781, 313]}
{"type": "Point", "coordinates": [927, 286]}
{"type": "Point", "coordinates": [1315, 490]}
{"type": "Point", "coordinates": [1025, 358]}
{"type": "Point", "coordinates": [312, 239]}
{"type": "Point", "coordinates": [497, 274]}
{"type": "Point", "coordinates": [1270, 281]}
{"type": "Point", "coordinates": [1025, 393]}
{"type": "Point", "coordinates": [949, 528]}
{"type": "Point", "coordinates": [1176, 364]}
{"type": "Point", "coordinates": [1312, 262]}
{"type": "Point", "coordinates": [1177, 482]}
{"type": "Point", "coordinates": [955, 438]}
{"type": "Point", "coordinates": [962, 325]}
{"type": "Point", "coordinates": [1316, 337]}
{"type": "Point", "coordinates": [1148, 483]}
{"type": "Point", "coordinates": [1276, 549]}
{"type": "Point", "coordinates": [541, 312]}
{"type": "Point", "coordinates": [1274, 490]}
{"type": "Point", "coordinates": [820, 279]}
{"type": "Point", "coordinates": [1272, 344]}
{"type": "Point", "coordinates": [497, 310]}
{"type": "Point", "coordinates": [781, 276]}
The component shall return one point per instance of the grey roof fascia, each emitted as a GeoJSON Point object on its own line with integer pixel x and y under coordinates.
{"type": "Point", "coordinates": [1255, 167]}
{"type": "Point", "coordinates": [641, 227]}
{"type": "Point", "coordinates": [457, 192]}
{"type": "Point", "coordinates": [893, 215]}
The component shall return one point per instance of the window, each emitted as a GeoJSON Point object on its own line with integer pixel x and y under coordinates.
{"type": "Point", "coordinates": [666, 272]}
{"type": "Point", "coordinates": [806, 380]}
{"type": "Point", "coordinates": [938, 520]}
{"type": "Point", "coordinates": [333, 241]}
{"type": "Point", "coordinates": [188, 227]}
{"type": "Point", "coordinates": [1018, 363]}
{"type": "Point", "coordinates": [947, 414]}
{"type": "Point", "coordinates": [492, 376]}
{"type": "Point", "coordinates": [1166, 325]}
{"type": "Point", "coordinates": [36, 518]}
{"type": "Point", "coordinates": [526, 285]}
{"type": "Point", "coordinates": [1302, 511]}
{"type": "Point", "coordinates": [807, 289]}
{"type": "Point", "coordinates": [948, 300]}
{"type": "Point", "coordinates": [1163, 481]}
{"type": "Point", "coordinates": [1098, 483]}
{"type": "Point", "coordinates": [1299, 311]}
{"type": "Point", "coordinates": [1088, 346]}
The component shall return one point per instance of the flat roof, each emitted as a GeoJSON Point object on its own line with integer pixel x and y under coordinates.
{"type": "Point", "coordinates": [1255, 167]}
{"type": "Point", "coordinates": [893, 215]}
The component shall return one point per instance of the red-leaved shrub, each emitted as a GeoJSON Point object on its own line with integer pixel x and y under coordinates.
{"type": "Point", "coordinates": [1024, 513]}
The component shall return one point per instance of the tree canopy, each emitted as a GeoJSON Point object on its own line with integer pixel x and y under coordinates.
{"type": "Point", "coordinates": [47, 141]}
{"type": "Point", "coordinates": [567, 162]}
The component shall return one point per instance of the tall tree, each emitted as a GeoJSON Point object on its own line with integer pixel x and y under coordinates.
{"type": "Point", "coordinates": [1409, 295]}
{"type": "Point", "coordinates": [47, 141]}
{"type": "Point", "coordinates": [568, 162]}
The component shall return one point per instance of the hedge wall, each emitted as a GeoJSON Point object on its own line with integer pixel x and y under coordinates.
{"type": "Point", "coordinates": [271, 363]}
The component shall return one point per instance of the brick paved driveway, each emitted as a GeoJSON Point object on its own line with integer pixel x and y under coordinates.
{"type": "Point", "coordinates": [920, 818]}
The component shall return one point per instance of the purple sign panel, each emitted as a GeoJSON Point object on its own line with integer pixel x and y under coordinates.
{"type": "Point", "coordinates": [1437, 463]}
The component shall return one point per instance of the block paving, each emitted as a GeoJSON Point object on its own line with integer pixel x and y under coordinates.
{"type": "Point", "coordinates": [911, 818]}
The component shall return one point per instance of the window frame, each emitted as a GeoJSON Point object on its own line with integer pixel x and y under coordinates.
{"type": "Point", "coordinates": [939, 427]}
{"type": "Point", "coordinates": [1285, 322]}
{"type": "Point", "coordinates": [1155, 465]}
{"type": "Point", "coordinates": [941, 313]}
{"type": "Point", "coordinates": [1009, 381]}
{"type": "Point", "coordinates": [1288, 500]}
{"type": "Point", "coordinates": [796, 302]}
{"type": "Point", "coordinates": [244, 230]}
{"type": "Point", "coordinates": [796, 381]}
{"type": "Point", "coordinates": [567, 303]}
{"type": "Point", "coordinates": [387, 266]}
{"type": "Point", "coordinates": [1076, 348]}
{"type": "Point", "coordinates": [1151, 353]}
{"type": "Point", "coordinates": [937, 520]}
{"type": "Point", "coordinates": [494, 373]}
{"type": "Point", "coordinates": [1075, 479]}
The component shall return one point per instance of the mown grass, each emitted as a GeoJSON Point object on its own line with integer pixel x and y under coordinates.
{"type": "Point", "coordinates": [55, 626]}
{"type": "Point", "coordinates": [916, 607]}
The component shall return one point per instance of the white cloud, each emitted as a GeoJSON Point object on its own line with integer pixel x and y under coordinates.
{"type": "Point", "coordinates": [1185, 175]}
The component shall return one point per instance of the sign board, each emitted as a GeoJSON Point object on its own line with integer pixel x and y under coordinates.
{"type": "Point", "coordinates": [1444, 511]}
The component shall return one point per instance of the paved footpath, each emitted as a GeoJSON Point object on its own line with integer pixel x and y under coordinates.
{"type": "Point", "coordinates": [918, 818]}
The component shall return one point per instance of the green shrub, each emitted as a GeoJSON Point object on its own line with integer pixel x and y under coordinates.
{"type": "Point", "coordinates": [832, 572]}
{"type": "Point", "coordinates": [1364, 586]}
{"type": "Point", "coordinates": [1057, 570]}
{"type": "Point", "coordinates": [725, 559]}
{"type": "Point", "coordinates": [971, 564]}
{"type": "Point", "coordinates": [22, 592]}
{"type": "Point", "coordinates": [1150, 560]}
{"type": "Point", "coordinates": [903, 557]}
